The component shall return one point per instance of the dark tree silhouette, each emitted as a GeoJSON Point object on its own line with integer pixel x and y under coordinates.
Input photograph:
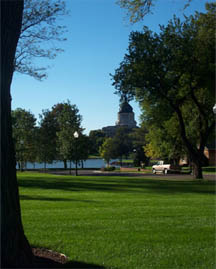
{"type": "Point", "coordinates": [15, 249]}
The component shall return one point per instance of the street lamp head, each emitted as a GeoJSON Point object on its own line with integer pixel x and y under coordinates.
{"type": "Point", "coordinates": [214, 109]}
{"type": "Point", "coordinates": [76, 134]}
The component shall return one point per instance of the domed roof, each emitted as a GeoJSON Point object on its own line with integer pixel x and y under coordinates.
{"type": "Point", "coordinates": [125, 108]}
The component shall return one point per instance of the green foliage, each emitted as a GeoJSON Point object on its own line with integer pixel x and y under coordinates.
{"type": "Point", "coordinates": [83, 147]}
{"type": "Point", "coordinates": [122, 143]}
{"type": "Point", "coordinates": [97, 137]}
{"type": "Point", "coordinates": [53, 139]}
{"type": "Point", "coordinates": [138, 9]}
{"type": "Point", "coordinates": [138, 137]}
{"type": "Point", "coordinates": [171, 74]}
{"type": "Point", "coordinates": [106, 150]}
{"type": "Point", "coordinates": [24, 135]}
{"type": "Point", "coordinates": [69, 122]}
{"type": "Point", "coordinates": [47, 137]}
{"type": "Point", "coordinates": [110, 168]}
{"type": "Point", "coordinates": [118, 146]}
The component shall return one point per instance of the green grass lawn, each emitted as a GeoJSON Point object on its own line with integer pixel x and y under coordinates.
{"type": "Point", "coordinates": [121, 222]}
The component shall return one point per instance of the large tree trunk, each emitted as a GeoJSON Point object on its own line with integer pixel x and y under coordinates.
{"type": "Point", "coordinates": [15, 249]}
{"type": "Point", "coordinates": [65, 164]}
{"type": "Point", "coordinates": [197, 171]}
{"type": "Point", "coordinates": [196, 155]}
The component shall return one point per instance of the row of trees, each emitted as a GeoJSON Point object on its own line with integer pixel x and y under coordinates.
{"type": "Point", "coordinates": [52, 139]}
{"type": "Point", "coordinates": [125, 142]}
{"type": "Point", "coordinates": [172, 76]}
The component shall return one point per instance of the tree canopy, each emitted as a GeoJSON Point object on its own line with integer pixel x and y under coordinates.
{"type": "Point", "coordinates": [97, 137]}
{"type": "Point", "coordinates": [106, 150]}
{"type": "Point", "coordinates": [24, 135]}
{"type": "Point", "coordinates": [69, 121]}
{"type": "Point", "coordinates": [174, 69]}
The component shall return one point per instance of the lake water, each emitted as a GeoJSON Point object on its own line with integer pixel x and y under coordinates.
{"type": "Point", "coordinates": [90, 163]}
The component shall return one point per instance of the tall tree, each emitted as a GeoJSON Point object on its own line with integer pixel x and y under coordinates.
{"type": "Point", "coordinates": [106, 150]}
{"type": "Point", "coordinates": [55, 113]}
{"type": "Point", "coordinates": [69, 121]}
{"type": "Point", "coordinates": [39, 36]}
{"type": "Point", "coordinates": [15, 249]}
{"type": "Point", "coordinates": [97, 137]}
{"type": "Point", "coordinates": [176, 67]}
{"type": "Point", "coordinates": [47, 138]}
{"type": "Point", "coordinates": [122, 143]}
{"type": "Point", "coordinates": [138, 137]}
{"type": "Point", "coordinates": [23, 125]}
{"type": "Point", "coordinates": [163, 139]}
{"type": "Point", "coordinates": [83, 147]}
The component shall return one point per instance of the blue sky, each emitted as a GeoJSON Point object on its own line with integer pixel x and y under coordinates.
{"type": "Point", "coordinates": [98, 32]}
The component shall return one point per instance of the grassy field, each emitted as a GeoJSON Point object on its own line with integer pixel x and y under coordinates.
{"type": "Point", "coordinates": [121, 222]}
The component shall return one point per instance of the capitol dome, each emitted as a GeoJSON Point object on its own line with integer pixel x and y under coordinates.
{"type": "Point", "coordinates": [126, 116]}
{"type": "Point", "coordinates": [125, 119]}
{"type": "Point", "coordinates": [125, 108]}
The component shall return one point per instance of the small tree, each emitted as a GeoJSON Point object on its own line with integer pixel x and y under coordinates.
{"type": "Point", "coordinates": [122, 143]}
{"type": "Point", "coordinates": [47, 138]}
{"type": "Point", "coordinates": [69, 121]}
{"type": "Point", "coordinates": [23, 124]}
{"type": "Point", "coordinates": [97, 137]}
{"type": "Point", "coordinates": [106, 150]}
{"type": "Point", "coordinates": [83, 147]}
{"type": "Point", "coordinates": [138, 137]}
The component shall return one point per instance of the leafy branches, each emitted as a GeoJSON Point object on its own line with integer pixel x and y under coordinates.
{"type": "Point", "coordinates": [173, 71]}
{"type": "Point", "coordinates": [39, 35]}
{"type": "Point", "coordinates": [138, 9]}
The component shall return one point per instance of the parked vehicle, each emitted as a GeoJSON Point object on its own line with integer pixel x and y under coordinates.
{"type": "Point", "coordinates": [161, 166]}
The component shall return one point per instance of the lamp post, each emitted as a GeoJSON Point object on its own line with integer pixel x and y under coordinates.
{"type": "Point", "coordinates": [21, 154]}
{"type": "Point", "coordinates": [76, 136]}
{"type": "Point", "coordinates": [214, 109]}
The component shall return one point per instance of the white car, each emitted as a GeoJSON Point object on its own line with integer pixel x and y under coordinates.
{"type": "Point", "coordinates": [161, 166]}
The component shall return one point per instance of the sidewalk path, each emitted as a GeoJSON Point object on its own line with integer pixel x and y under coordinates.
{"type": "Point", "coordinates": [131, 174]}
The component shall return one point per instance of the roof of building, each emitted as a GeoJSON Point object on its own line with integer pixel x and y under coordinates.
{"type": "Point", "coordinates": [125, 108]}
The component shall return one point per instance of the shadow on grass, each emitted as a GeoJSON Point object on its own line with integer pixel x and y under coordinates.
{"type": "Point", "coordinates": [51, 199]}
{"type": "Point", "coordinates": [115, 184]}
{"type": "Point", "coordinates": [81, 265]}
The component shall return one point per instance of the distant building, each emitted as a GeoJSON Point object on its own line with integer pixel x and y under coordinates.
{"type": "Point", "coordinates": [210, 153]}
{"type": "Point", "coordinates": [125, 119]}
{"type": "Point", "coordinates": [126, 116]}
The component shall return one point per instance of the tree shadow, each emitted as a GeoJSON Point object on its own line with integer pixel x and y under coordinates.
{"type": "Point", "coordinates": [74, 264]}
{"type": "Point", "coordinates": [174, 187]}
{"type": "Point", "coordinates": [116, 184]}
{"type": "Point", "coordinates": [52, 199]}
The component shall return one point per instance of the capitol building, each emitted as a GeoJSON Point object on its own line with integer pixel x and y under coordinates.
{"type": "Point", "coordinates": [125, 119]}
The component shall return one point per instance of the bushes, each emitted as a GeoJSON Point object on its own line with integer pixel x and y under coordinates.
{"type": "Point", "coordinates": [109, 168]}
